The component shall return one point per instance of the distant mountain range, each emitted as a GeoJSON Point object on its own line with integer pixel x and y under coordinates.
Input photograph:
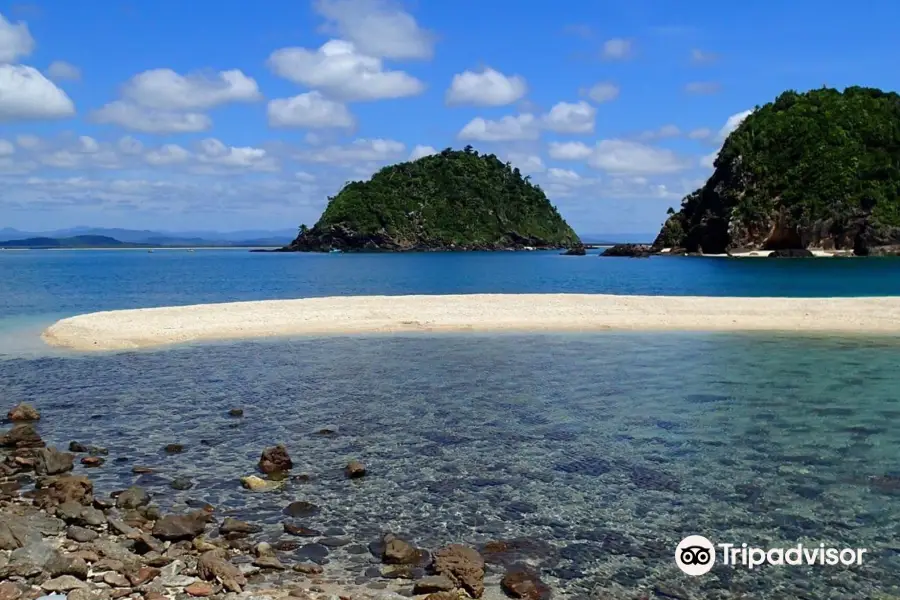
{"type": "Point", "coordinates": [113, 237]}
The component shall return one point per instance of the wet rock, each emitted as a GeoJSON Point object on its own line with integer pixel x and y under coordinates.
{"type": "Point", "coordinates": [180, 527]}
{"type": "Point", "coordinates": [236, 412]}
{"type": "Point", "coordinates": [462, 565]}
{"type": "Point", "coordinates": [398, 572]}
{"type": "Point", "coordinates": [312, 552]}
{"type": "Point", "coordinates": [651, 479]}
{"type": "Point", "coordinates": [132, 498]}
{"type": "Point", "coordinates": [80, 534]}
{"type": "Point", "coordinates": [308, 569]}
{"type": "Point", "coordinates": [22, 435]}
{"type": "Point", "coordinates": [174, 449]}
{"type": "Point", "coordinates": [232, 525]}
{"type": "Point", "coordinates": [334, 542]}
{"type": "Point", "coordinates": [269, 562]}
{"type": "Point", "coordinates": [92, 462]}
{"type": "Point", "coordinates": [355, 469]}
{"type": "Point", "coordinates": [286, 545]}
{"type": "Point", "coordinates": [138, 470]}
{"type": "Point", "coordinates": [275, 460]}
{"type": "Point", "coordinates": [181, 483]}
{"type": "Point", "coordinates": [301, 509]}
{"type": "Point", "coordinates": [213, 567]}
{"type": "Point", "coordinates": [199, 589]}
{"type": "Point", "coordinates": [512, 551]}
{"type": "Point", "coordinates": [50, 461]}
{"type": "Point", "coordinates": [300, 530]}
{"type": "Point", "coordinates": [524, 583]}
{"type": "Point", "coordinates": [63, 584]}
{"type": "Point", "coordinates": [398, 551]}
{"type": "Point", "coordinates": [435, 583]}
{"type": "Point", "coordinates": [23, 412]}
{"type": "Point", "coordinates": [257, 484]}
{"type": "Point", "coordinates": [77, 447]}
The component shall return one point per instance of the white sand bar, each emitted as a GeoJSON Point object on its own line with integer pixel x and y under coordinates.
{"type": "Point", "coordinates": [124, 329]}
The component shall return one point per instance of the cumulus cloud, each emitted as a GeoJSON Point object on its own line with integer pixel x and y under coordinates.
{"type": "Point", "coordinates": [421, 152]}
{"type": "Point", "coordinates": [569, 150]}
{"type": "Point", "coordinates": [708, 161]}
{"type": "Point", "coordinates": [378, 28]}
{"type": "Point", "coordinates": [164, 89]}
{"type": "Point", "coordinates": [341, 71]}
{"type": "Point", "coordinates": [702, 133]}
{"type": "Point", "coordinates": [359, 151]}
{"type": "Point", "coordinates": [60, 70]}
{"type": "Point", "coordinates": [701, 57]}
{"type": "Point", "coordinates": [25, 94]}
{"type": "Point", "coordinates": [526, 163]}
{"type": "Point", "coordinates": [733, 123]}
{"type": "Point", "coordinates": [507, 129]}
{"type": "Point", "coordinates": [623, 156]}
{"type": "Point", "coordinates": [664, 132]}
{"type": "Point", "coordinates": [311, 110]}
{"type": "Point", "coordinates": [146, 120]}
{"type": "Point", "coordinates": [617, 49]}
{"type": "Point", "coordinates": [15, 41]}
{"type": "Point", "coordinates": [7, 148]}
{"type": "Point", "coordinates": [603, 92]}
{"type": "Point", "coordinates": [487, 87]}
{"type": "Point", "coordinates": [168, 154]}
{"type": "Point", "coordinates": [215, 152]}
{"type": "Point", "coordinates": [567, 117]}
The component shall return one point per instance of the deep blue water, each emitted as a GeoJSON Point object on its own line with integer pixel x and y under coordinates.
{"type": "Point", "coordinates": [596, 452]}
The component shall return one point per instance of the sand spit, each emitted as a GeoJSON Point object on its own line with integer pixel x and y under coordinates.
{"type": "Point", "coordinates": [128, 329]}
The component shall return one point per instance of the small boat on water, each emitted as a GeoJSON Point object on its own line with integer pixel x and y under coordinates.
{"type": "Point", "coordinates": [334, 251]}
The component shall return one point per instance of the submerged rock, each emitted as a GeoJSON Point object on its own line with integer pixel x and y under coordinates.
{"type": "Point", "coordinates": [258, 484]}
{"type": "Point", "coordinates": [301, 509]}
{"type": "Point", "coordinates": [355, 469]}
{"type": "Point", "coordinates": [524, 583]}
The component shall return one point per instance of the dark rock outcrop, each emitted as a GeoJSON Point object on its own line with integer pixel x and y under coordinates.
{"type": "Point", "coordinates": [23, 412]}
{"type": "Point", "coordinates": [578, 250]}
{"type": "Point", "coordinates": [791, 253]}
{"type": "Point", "coordinates": [630, 250]}
{"type": "Point", "coordinates": [275, 460]}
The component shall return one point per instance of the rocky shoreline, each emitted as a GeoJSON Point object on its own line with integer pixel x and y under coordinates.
{"type": "Point", "coordinates": [62, 538]}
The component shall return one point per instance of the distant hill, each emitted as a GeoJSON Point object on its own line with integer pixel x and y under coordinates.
{"type": "Point", "coordinates": [252, 237]}
{"type": "Point", "coordinates": [78, 241]}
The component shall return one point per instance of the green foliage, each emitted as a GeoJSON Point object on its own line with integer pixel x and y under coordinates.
{"type": "Point", "coordinates": [454, 197]}
{"type": "Point", "coordinates": [806, 157]}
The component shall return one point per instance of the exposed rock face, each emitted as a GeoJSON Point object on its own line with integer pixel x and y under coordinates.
{"type": "Point", "coordinates": [631, 250]}
{"type": "Point", "coordinates": [578, 250]}
{"type": "Point", "coordinates": [23, 412]}
{"type": "Point", "coordinates": [68, 488]}
{"type": "Point", "coordinates": [792, 253]}
{"type": "Point", "coordinates": [275, 460]}
{"type": "Point", "coordinates": [464, 566]}
{"type": "Point", "coordinates": [811, 170]}
{"type": "Point", "coordinates": [22, 435]}
{"type": "Point", "coordinates": [50, 461]}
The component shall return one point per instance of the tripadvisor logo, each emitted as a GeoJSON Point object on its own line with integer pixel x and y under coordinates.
{"type": "Point", "coordinates": [695, 555]}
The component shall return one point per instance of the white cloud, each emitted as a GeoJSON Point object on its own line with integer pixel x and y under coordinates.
{"type": "Point", "coordinates": [168, 154]}
{"type": "Point", "coordinates": [358, 151]}
{"type": "Point", "coordinates": [485, 88]}
{"type": "Point", "coordinates": [28, 142]}
{"type": "Point", "coordinates": [617, 49]}
{"type": "Point", "coordinates": [338, 69]}
{"type": "Point", "coordinates": [88, 145]}
{"type": "Point", "coordinates": [626, 157]}
{"type": "Point", "coordinates": [60, 70]}
{"type": "Point", "coordinates": [378, 28]}
{"type": "Point", "coordinates": [603, 92]}
{"type": "Point", "coordinates": [566, 117]}
{"type": "Point", "coordinates": [129, 145]}
{"type": "Point", "coordinates": [708, 161]}
{"type": "Point", "coordinates": [25, 94]}
{"type": "Point", "coordinates": [506, 129]}
{"type": "Point", "coordinates": [214, 152]}
{"type": "Point", "coordinates": [7, 148]}
{"type": "Point", "coordinates": [703, 133]}
{"type": "Point", "coordinates": [569, 150]}
{"type": "Point", "coordinates": [527, 163]}
{"type": "Point", "coordinates": [732, 123]}
{"type": "Point", "coordinates": [15, 41]}
{"type": "Point", "coordinates": [563, 175]}
{"type": "Point", "coordinates": [136, 118]}
{"type": "Point", "coordinates": [666, 131]}
{"type": "Point", "coordinates": [702, 87]}
{"type": "Point", "coordinates": [164, 89]}
{"type": "Point", "coordinates": [305, 177]}
{"type": "Point", "coordinates": [421, 152]}
{"type": "Point", "coordinates": [311, 110]}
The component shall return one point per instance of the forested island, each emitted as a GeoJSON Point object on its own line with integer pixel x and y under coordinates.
{"type": "Point", "coordinates": [453, 200]}
{"type": "Point", "coordinates": [819, 169]}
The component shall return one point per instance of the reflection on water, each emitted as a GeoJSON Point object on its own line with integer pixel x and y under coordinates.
{"type": "Point", "coordinates": [602, 450]}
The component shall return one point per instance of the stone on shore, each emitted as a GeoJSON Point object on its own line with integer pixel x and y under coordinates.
{"type": "Point", "coordinates": [275, 460]}
{"type": "Point", "coordinates": [397, 551]}
{"type": "Point", "coordinates": [22, 435]}
{"type": "Point", "coordinates": [64, 583]}
{"type": "Point", "coordinates": [50, 461]}
{"type": "Point", "coordinates": [211, 566]}
{"type": "Point", "coordinates": [524, 583]}
{"type": "Point", "coordinates": [132, 498]}
{"type": "Point", "coordinates": [180, 527]}
{"type": "Point", "coordinates": [68, 488]}
{"type": "Point", "coordinates": [432, 584]}
{"type": "Point", "coordinates": [464, 566]}
{"type": "Point", "coordinates": [23, 412]}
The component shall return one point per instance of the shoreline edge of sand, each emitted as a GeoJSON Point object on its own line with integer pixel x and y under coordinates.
{"type": "Point", "coordinates": [150, 327]}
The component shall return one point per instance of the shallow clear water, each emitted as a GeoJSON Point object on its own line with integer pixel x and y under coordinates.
{"type": "Point", "coordinates": [603, 450]}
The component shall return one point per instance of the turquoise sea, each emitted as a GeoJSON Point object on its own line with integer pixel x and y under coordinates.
{"type": "Point", "coordinates": [592, 455]}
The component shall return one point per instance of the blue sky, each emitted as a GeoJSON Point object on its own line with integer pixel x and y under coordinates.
{"type": "Point", "coordinates": [228, 115]}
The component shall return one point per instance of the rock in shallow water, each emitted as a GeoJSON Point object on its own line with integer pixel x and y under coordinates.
{"type": "Point", "coordinates": [23, 412]}
{"type": "Point", "coordinates": [462, 565]}
{"type": "Point", "coordinates": [301, 509]}
{"type": "Point", "coordinates": [275, 460]}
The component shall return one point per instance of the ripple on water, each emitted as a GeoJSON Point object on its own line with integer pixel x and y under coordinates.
{"type": "Point", "coordinates": [588, 456]}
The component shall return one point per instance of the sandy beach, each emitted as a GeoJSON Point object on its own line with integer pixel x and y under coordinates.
{"type": "Point", "coordinates": [139, 328]}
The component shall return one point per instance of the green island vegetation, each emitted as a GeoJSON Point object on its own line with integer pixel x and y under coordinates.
{"type": "Point", "coordinates": [819, 169]}
{"type": "Point", "coordinates": [453, 200]}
